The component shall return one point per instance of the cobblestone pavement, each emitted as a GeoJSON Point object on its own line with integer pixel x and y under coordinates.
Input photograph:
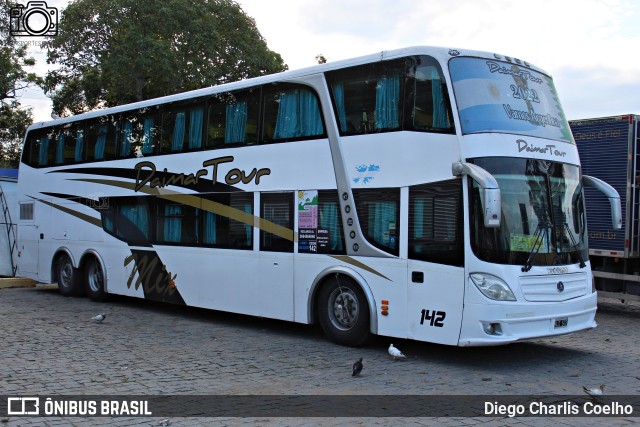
{"type": "Point", "coordinates": [49, 346]}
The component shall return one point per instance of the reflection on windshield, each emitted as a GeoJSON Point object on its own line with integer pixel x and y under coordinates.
{"type": "Point", "coordinates": [542, 214]}
{"type": "Point", "coordinates": [496, 96]}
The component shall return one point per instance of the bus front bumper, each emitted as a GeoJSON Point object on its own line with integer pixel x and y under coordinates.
{"type": "Point", "coordinates": [502, 323]}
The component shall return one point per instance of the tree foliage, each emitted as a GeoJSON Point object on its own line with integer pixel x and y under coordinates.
{"type": "Point", "coordinates": [112, 52]}
{"type": "Point", "coordinates": [13, 78]}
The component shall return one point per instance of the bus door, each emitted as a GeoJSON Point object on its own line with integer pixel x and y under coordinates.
{"type": "Point", "coordinates": [435, 302]}
{"type": "Point", "coordinates": [29, 236]}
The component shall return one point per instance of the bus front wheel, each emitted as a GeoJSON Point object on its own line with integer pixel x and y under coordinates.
{"type": "Point", "coordinates": [94, 280]}
{"type": "Point", "coordinates": [344, 312]}
{"type": "Point", "coordinates": [66, 276]}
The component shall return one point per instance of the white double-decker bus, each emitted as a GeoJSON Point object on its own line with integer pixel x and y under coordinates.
{"type": "Point", "coordinates": [423, 193]}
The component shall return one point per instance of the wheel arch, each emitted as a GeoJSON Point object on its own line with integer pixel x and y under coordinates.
{"type": "Point", "coordinates": [93, 253]}
{"type": "Point", "coordinates": [326, 274]}
{"type": "Point", "coordinates": [54, 261]}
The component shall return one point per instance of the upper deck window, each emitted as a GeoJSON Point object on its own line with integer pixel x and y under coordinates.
{"type": "Point", "coordinates": [402, 94]}
{"type": "Point", "coordinates": [495, 96]}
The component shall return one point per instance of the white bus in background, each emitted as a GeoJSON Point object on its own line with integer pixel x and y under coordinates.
{"type": "Point", "coordinates": [424, 193]}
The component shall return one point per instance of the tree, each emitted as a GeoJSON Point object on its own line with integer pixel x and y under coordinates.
{"type": "Point", "coordinates": [112, 52]}
{"type": "Point", "coordinates": [13, 78]}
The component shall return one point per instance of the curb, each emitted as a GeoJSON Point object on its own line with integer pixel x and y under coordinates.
{"type": "Point", "coordinates": [16, 282]}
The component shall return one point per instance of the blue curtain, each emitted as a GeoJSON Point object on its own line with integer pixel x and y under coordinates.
{"type": "Point", "coordinates": [79, 146]}
{"type": "Point", "coordinates": [236, 122]}
{"type": "Point", "coordinates": [298, 115]}
{"type": "Point", "coordinates": [43, 152]}
{"type": "Point", "coordinates": [210, 230]}
{"type": "Point", "coordinates": [178, 132]}
{"type": "Point", "coordinates": [381, 217]}
{"type": "Point", "coordinates": [329, 221]}
{"type": "Point", "coordinates": [418, 219]}
{"type": "Point", "coordinates": [139, 216]}
{"type": "Point", "coordinates": [101, 142]}
{"type": "Point", "coordinates": [147, 139]}
{"type": "Point", "coordinates": [125, 148]}
{"type": "Point", "coordinates": [440, 118]}
{"type": "Point", "coordinates": [173, 223]}
{"type": "Point", "coordinates": [338, 97]}
{"type": "Point", "coordinates": [387, 102]}
{"type": "Point", "coordinates": [195, 127]}
{"type": "Point", "coordinates": [60, 149]}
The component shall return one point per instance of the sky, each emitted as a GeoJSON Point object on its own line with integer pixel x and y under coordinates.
{"type": "Point", "coordinates": [589, 47]}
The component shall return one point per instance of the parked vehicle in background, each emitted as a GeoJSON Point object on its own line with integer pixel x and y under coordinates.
{"type": "Point", "coordinates": [609, 149]}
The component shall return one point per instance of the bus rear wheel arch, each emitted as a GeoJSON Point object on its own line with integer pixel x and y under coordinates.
{"type": "Point", "coordinates": [66, 275]}
{"type": "Point", "coordinates": [94, 278]}
{"type": "Point", "coordinates": [343, 311]}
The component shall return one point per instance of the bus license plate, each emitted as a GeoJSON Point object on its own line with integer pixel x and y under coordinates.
{"type": "Point", "coordinates": [561, 323]}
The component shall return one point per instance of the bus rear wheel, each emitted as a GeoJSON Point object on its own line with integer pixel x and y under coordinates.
{"type": "Point", "coordinates": [66, 275]}
{"type": "Point", "coordinates": [94, 280]}
{"type": "Point", "coordinates": [344, 312]}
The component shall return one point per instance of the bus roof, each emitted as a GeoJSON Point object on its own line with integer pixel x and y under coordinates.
{"type": "Point", "coordinates": [437, 52]}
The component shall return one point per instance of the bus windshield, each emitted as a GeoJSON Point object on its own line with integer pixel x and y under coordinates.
{"type": "Point", "coordinates": [495, 96]}
{"type": "Point", "coordinates": [543, 217]}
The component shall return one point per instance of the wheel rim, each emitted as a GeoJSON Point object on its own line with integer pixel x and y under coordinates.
{"type": "Point", "coordinates": [65, 275]}
{"type": "Point", "coordinates": [344, 308]}
{"type": "Point", "coordinates": [95, 277]}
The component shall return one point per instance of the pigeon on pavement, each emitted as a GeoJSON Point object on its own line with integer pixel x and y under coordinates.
{"type": "Point", "coordinates": [357, 367]}
{"type": "Point", "coordinates": [597, 391]}
{"type": "Point", "coordinates": [99, 318]}
{"type": "Point", "coordinates": [395, 353]}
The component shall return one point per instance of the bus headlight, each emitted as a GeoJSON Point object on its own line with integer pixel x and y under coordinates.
{"type": "Point", "coordinates": [492, 287]}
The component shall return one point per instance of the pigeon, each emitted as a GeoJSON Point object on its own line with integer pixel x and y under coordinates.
{"type": "Point", "coordinates": [395, 353]}
{"type": "Point", "coordinates": [357, 367]}
{"type": "Point", "coordinates": [597, 391]}
{"type": "Point", "coordinates": [99, 318]}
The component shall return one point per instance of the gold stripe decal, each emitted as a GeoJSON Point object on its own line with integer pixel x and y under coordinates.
{"type": "Point", "coordinates": [356, 263]}
{"type": "Point", "coordinates": [91, 220]}
{"type": "Point", "coordinates": [204, 204]}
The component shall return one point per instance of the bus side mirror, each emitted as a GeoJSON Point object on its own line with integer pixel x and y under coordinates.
{"type": "Point", "coordinates": [491, 199]}
{"type": "Point", "coordinates": [611, 194]}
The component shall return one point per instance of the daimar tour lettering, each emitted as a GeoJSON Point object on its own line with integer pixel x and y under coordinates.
{"type": "Point", "coordinates": [146, 173]}
{"type": "Point", "coordinates": [495, 67]}
{"type": "Point", "coordinates": [546, 149]}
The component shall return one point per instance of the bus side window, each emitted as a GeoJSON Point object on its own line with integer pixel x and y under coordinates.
{"type": "Point", "coordinates": [277, 209]}
{"type": "Point", "coordinates": [379, 216]}
{"type": "Point", "coordinates": [140, 133]}
{"type": "Point", "coordinates": [177, 224]}
{"type": "Point", "coordinates": [69, 145]}
{"type": "Point", "coordinates": [291, 112]}
{"type": "Point", "coordinates": [428, 103]}
{"type": "Point", "coordinates": [128, 219]}
{"type": "Point", "coordinates": [182, 125]}
{"type": "Point", "coordinates": [435, 223]}
{"type": "Point", "coordinates": [330, 234]}
{"type": "Point", "coordinates": [221, 231]}
{"type": "Point", "coordinates": [101, 139]}
{"type": "Point", "coordinates": [233, 119]}
{"type": "Point", "coordinates": [37, 151]}
{"type": "Point", "coordinates": [368, 98]}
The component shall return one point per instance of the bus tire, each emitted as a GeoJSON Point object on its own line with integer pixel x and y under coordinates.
{"type": "Point", "coordinates": [66, 276]}
{"type": "Point", "coordinates": [344, 312]}
{"type": "Point", "coordinates": [94, 280]}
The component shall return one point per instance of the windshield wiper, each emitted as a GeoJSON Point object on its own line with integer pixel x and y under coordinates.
{"type": "Point", "coordinates": [575, 245]}
{"type": "Point", "coordinates": [537, 242]}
